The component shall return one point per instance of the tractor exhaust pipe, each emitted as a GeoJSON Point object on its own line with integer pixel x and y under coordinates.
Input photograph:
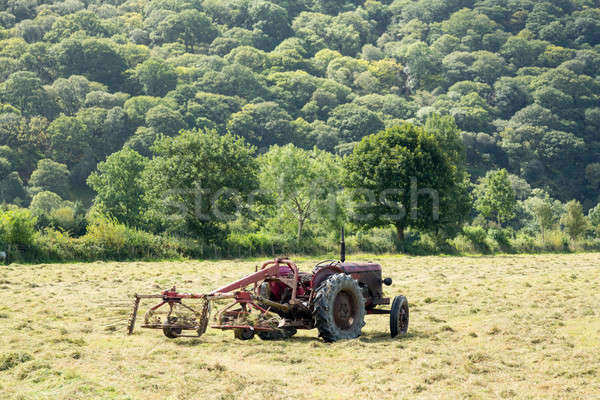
{"type": "Point", "coordinates": [342, 247]}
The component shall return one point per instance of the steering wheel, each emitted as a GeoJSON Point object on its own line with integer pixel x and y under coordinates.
{"type": "Point", "coordinates": [325, 263]}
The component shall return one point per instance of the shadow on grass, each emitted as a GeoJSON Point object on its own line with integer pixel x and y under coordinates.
{"type": "Point", "coordinates": [187, 342]}
{"type": "Point", "coordinates": [369, 338]}
{"type": "Point", "coordinates": [385, 337]}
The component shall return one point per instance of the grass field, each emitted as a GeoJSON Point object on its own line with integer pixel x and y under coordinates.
{"type": "Point", "coordinates": [499, 327]}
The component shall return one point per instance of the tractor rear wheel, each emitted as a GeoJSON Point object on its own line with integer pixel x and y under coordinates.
{"type": "Point", "coordinates": [339, 308]}
{"type": "Point", "coordinates": [277, 334]}
{"type": "Point", "coordinates": [170, 332]}
{"type": "Point", "coordinates": [399, 316]}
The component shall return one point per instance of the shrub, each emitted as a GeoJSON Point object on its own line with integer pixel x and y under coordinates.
{"type": "Point", "coordinates": [502, 237]}
{"type": "Point", "coordinates": [422, 245]}
{"type": "Point", "coordinates": [556, 241]}
{"type": "Point", "coordinates": [524, 243]}
{"type": "Point", "coordinates": [478, 238]}
{"type": "Point", "coordinates": [378, 240]}
{"type": "Point", "coordinates": [17, 229]}
{"type": "Point", "coordinates": [106, 239]}
{"type": "Point", "coordinates": [55, 245]}
{"type": "Point", "coordinates": [46, 202]}
{"type": "Point", "coordinates": [257, 243]}
{"type": "Point", "coordinates": [462, 244]}
{"type": "Point", "coordinates": [591, 244]}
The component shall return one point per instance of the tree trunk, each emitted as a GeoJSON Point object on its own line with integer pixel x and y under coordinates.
{"type": "Point", "coordinates": [300, 226]}
{"type": "Point", "coordinates": [400, 232]}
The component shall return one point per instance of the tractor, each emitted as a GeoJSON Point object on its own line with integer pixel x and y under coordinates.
{"type": "Point", "coordinates": [278, 299]}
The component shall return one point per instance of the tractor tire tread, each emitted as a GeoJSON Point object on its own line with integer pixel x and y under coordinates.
{"type": "Point", "coordinates": [323, 308]}
{"type": "Point", "coordinates": [398, 303]}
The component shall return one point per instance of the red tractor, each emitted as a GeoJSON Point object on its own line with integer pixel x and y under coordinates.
{"type": "Point", "coordinates": [277, 300]}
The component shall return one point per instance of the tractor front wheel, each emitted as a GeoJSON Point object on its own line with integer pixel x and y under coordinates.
{"type": "Point", "coordinates": [339, 308]}
{"type": "Point", "coordinates": [399, 316]}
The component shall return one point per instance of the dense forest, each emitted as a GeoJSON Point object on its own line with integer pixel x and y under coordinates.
{"type": "Point", "coordinates": [110, 109]}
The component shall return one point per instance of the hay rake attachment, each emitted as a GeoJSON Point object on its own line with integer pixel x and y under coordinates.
{"type": "Point", "coordinates": [247, 313]}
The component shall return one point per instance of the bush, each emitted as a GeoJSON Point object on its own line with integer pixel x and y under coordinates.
{"type": "Point", "coordinates": [591, 244]}
{"type": "Point", "coordinates": [462, 244]}
{"type": "Point", "coordinates": [556, 241]}
{"type": "Point", "coordinates": [478, 238]}
{"type": "Point", "coordinates": [17, 229]}
{"type": "Point", "coordinates": [55, 245]}
{"type": "Point", "coordinates": [502, 237]}
{"type": "Point", "coordinates": [422, 245]}
{"type": "Point", "coordinates": [257, 243]}
{"type": "Point", "coordinates": [106, 239]}
{"type": "Point", "coordinates": [378, 240]}
{"type": "Point", "coordinates": [68, 219]}
{"type": "Point", "coordinates": [524, 243]}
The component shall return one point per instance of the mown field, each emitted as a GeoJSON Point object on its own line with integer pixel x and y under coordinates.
{"type": "Point", "coordinates": [499, 327]}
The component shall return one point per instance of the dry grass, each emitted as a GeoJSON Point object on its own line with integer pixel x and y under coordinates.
{"type": "Point", "coordinates": [498, 327]}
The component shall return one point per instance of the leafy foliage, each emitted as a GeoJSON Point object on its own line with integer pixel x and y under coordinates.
{"type": "Point", "coordinates": [515, 86]}
{"type": "Point", "coordinates": [199, 180]}
{"type": "Point", "coordinates": [496, 197]}
{"type": "Point", "coordinates": [405, 179]}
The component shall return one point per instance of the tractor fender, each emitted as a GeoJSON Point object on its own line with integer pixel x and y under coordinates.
{"type": "Point", "coordinates": [323, 273]}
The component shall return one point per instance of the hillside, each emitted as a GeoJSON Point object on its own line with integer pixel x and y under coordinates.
{"type": "Point", "coordinates": [80, 80]}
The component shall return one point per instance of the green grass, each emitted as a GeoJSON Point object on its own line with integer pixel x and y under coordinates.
{"type": "Point", "coordinates": [481, 327]}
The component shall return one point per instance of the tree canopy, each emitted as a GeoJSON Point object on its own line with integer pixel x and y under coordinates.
{"type": "Point", "coordinates": [515, 86]}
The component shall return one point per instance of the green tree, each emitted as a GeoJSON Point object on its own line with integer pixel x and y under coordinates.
{"type": "Point", "coordinates": [544, 210]}
{"type": "Point", "coordinates": [50, 176]}
{"type": "Point", "coordinates": [300, 182]}
{"type": "Point", "coordinates": [495, 197]}
{"type": "Point", "coordinates": [594, 218]}
{"type": "Point", "coordinates": [164, 120]}
{"type": "Point", "coordinates": [119, 187]}
{"type": "Point", "coordinates": [215, 107]}
{"type": "Point", "coordinates": [71, 93]}
{"type": "Point", "coordinates": [43, 203]}
{"type": "Point", "coordinates": [262, 124]}
{"type": "Point", "coordinates": [69, 140]}
{"type": "Point", "coordinates": [98, 60]}
{"type": "Point", "coordinates": [189, 26]}
{"type": "Point", "coordinates": [25, 91]}
{"type": "Point", "coordinates": [137, 107]}
{"type": "Point", "coordinates": [354, 122]}
{"type": "Point", "coordinates": [199, 180]}
{"type": "Point", "coordinates": [510, 96]}
{"type": "Point", "coordinates": [235, 80]}
{"type": "Point", "coordinates": [422, 66]}
{"type": "Point", "coordinates": [82, 21]}
{"type": "Point", "coordinates": [11, 185]}
{"type": "Point", "coordinates": [250, 57]}
{"type": "Point", "coordinates": [156, 77]}
{"type": "Point", "coordinates": [385, 172]}
{"type": "Point", "coordinates": [574, 220]}
{"type": "Point", "coordinates": [522, 51]}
